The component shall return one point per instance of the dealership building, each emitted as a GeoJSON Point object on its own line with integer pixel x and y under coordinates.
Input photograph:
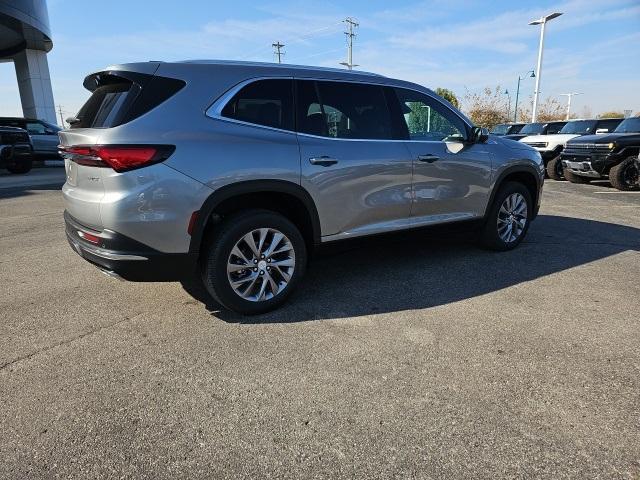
{"type": "Point", "coordinates": [25, 40]}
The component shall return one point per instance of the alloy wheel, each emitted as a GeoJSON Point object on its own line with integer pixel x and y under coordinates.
{"type": "Point", "coordinates": [512, 217]}
{"type": "Point", "coordinates": [261, 264]}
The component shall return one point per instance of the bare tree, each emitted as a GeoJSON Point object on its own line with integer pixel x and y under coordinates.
{"type": "Point", "coordinates": [548, 110]}
{"type": "Point", "coordinates": [611, 114]}
{"type": "Point", "coordinates": [487, 108]}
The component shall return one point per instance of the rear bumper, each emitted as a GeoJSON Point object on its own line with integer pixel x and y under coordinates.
{"type": "Point", "coordinates": [118, 255]}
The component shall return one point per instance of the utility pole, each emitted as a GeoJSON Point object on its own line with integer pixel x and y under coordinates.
{"type": "Point", "coordinates": [61, 116]}
{"type": "Point", "coordinates": [278, 51]}
{"type": "Point", "coordinates": [350, 35]}
{"type": "Point", "coordinates": [569, 95]}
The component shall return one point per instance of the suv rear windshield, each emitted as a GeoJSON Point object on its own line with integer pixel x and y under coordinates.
{"type": "Point", "coordinates": [629, 125]}
{"type": "Point", "coordinates": [120, 97]}
{"type": "Point", "coordinates": [579, 127]}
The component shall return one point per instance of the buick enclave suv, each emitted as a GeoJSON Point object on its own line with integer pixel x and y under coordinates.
{"type": "Point", "coordinates": [234, 171]}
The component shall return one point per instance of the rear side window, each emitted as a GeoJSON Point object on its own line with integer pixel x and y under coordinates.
{"type": "Point", "coordinates": [343, 110]}
{"type": "Point", "coordinates": [103, 105]}
{"type": "Point", "coordinates": [264, 102]}
{"type": "Point", "coordinates": [609, 124]}
{"type": "Point", "coordinates": [122, 97]}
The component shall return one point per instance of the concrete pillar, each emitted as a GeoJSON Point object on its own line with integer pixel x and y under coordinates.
{"type": "Point", "coordinates": [34, 83]}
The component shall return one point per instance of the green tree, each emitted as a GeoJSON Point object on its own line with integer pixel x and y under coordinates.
{"type": "Point", "coordinates": [449, 96]}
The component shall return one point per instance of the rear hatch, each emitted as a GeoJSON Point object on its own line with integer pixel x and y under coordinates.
{"type": "Point", "coordinates": [118, 97]}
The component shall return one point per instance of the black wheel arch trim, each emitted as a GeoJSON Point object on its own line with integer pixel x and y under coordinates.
{"type": "Point", "coordinates": [517, 169]}
{"type": "Point", "coordinates": [247, 187]}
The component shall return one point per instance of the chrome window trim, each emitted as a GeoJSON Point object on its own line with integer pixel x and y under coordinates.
{"type": "Point", "coordinates": [214, 110]}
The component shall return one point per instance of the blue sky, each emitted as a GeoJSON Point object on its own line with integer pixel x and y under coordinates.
{"type": "Point", "coordinates": [461, 45]}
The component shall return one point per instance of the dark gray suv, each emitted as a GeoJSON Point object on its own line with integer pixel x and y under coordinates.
{"type": "Point", "coordinates": [236, 170]}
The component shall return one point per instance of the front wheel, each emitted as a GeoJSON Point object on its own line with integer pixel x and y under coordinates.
{"type": "Point", "coordinates": [254, 261]}
{"type": "Point", "coordinates": [22, 167]}
{"type": "Point", "coordinates": [624, 176]}
{"type": "Point", "coordinates": [555, 169]}
{"type": "Point", "coordinates": [508, 219]}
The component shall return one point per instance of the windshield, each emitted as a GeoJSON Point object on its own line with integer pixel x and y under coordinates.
{"type": "Point", "coordinates": [579, 127]}
{"type": "Point", "coordinates": [500, 129]}
{"type": "Point", "coordinates": [629, 125]}
{"type": "Point", "coordinates": [533, 128]}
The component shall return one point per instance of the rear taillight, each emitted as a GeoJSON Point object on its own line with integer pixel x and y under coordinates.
{"type": "Point", "coordinates": [119, 157]}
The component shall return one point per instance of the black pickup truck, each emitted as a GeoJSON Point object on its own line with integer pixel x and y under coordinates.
{"type": "Point", "coordinates": [598, 156]}
{"type": "Point", "coordinates": [15, 150]}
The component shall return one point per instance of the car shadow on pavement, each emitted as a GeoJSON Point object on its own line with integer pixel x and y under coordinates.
{"type": "Point", "coordinates": [417, 270]}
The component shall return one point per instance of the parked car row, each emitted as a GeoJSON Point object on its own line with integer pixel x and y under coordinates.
{"type": "Point", "coordinates": [584, 149]}
{"type": "Point", "coordinates": [24, 139]}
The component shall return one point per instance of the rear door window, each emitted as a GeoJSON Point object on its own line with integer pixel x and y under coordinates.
{"type": "Point", "coordinates": [265, 102]}
{"type": "Point", "coordinates": [610, 125]}
{"type": "Point", "coordinates": [343, 110]}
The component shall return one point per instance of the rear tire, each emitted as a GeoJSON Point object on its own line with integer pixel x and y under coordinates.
{"type": "Point", "coordinates": [624, 176]}
{"type": "Point", "coordinates": [573, 178]}
{"type": "Point", "coordinates": [555, 171]}
{"type": "Point", "coordinates": [254, 261]}
{"type": "Point", "coordinates": [22, 167]}
{"type": "Point", "coordinates": [508, 219]}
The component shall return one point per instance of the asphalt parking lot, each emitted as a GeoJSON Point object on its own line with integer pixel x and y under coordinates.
{"type": "Point", "coordinates": [411, 357]}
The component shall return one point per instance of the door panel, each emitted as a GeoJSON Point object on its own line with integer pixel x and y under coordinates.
{"type": "Point", "coordinates": [453, 187]}
{"type": "Point", "coordinates": [369, 188]}
{"type": "Point", "coordinates": [358, 176]}
{"type": "Point", "coordinates": [451, 177]}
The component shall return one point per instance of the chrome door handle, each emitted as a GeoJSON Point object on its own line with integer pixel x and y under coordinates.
{"type": "Point", "coordinates": [323, 161]}
{"type": "Point", "coordinates": [429, 158]}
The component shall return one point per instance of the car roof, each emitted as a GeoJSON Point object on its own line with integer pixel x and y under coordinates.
{"type": "Point", "coordinates": [19, 118]}
{"type": "Point", "coordinates": [286, 66]}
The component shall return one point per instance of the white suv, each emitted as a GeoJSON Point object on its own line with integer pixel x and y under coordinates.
{"type": "Point", "coordinates": [550, 146]}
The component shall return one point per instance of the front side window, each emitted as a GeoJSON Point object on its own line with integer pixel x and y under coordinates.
{"type": "Point", "coordinates": [429, 120]}
{"type": "Point", "coordinates": [343, 110]}
{"type": "Point", "coordinates": [264, 102]}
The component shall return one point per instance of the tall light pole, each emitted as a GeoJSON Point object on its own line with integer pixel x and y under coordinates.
{"type": "Point", "coordinates": [542, 22]}
{"type": "Point", "coordinates": [569, 95]}
{"type": "Point", "coordinates": [506, 92]}
{"type": "Point", "coordinates": [531, 74]}
{"type": "Point", "coordinates": [350, 35]}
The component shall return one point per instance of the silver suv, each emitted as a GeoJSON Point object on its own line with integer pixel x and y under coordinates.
{"type": "Point", "coordinates": [234, 171]}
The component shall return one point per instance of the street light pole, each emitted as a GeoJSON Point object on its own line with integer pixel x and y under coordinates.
{"type": "Point", "coordinates": [569, 95]}
{"type": "Point", "coordinates": [531, 73]}
{"type": "Point", "coordinates": [542, 22]}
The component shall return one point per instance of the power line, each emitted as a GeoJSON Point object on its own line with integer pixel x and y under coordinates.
{"type": "Point", "coordinates": [350, 36]}
{"type": "Point", "coordinates": [278, 46]}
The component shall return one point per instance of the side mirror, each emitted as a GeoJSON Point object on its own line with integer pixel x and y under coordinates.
{"type": "Point", "coordinates": [48, 131]}
{"type": "Point", "coordinates": [480, 135]}
{"type": "Point", "coordinates": [600, 131]}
